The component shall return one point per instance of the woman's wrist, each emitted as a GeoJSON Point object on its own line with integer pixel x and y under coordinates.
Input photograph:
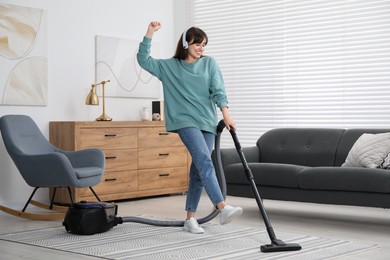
{"type": "Point", "coordinates": [225, 110]}
{"type": "Point", "coordinates": [149, 34]}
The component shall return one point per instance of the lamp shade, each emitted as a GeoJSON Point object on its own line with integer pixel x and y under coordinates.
{"type": "Point", "coordinates": [92, 98]}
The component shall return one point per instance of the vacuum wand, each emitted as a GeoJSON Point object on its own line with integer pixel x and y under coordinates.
{"type": "Point", "coordinates": [276, 245]}
{"type": "Point", "coordinates": [251, 179]}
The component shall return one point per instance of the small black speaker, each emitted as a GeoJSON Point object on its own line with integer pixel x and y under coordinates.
{"type": "Point", "coordinates": [158, 108]}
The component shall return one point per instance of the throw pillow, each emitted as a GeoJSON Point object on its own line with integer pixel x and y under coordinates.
{"type": "Point", "coordinates": [368, 151]}
{"type": "Point", "coordinates": [385, 163]}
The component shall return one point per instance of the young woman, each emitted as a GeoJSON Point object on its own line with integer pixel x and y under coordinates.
{"type": "Point", "coordinates": [193, 86]}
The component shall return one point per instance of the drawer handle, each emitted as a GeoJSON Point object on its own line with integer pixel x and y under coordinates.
{"type": "Point", "coordinates": [163, 133]}
{"type": "Point", "coordinates": [164, 174]}
{"type": "Point", "coordinates": [110, 157]}
{"type": "Point", "coordinates": [111, 179]}
{"type": "Point", "coordinates": [110, 135]}
{"type": "Point", "coordinates": [163, 154]}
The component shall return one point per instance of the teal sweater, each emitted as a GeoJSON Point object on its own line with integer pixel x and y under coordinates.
{"type": "Point", "coordinates": [191, 90]}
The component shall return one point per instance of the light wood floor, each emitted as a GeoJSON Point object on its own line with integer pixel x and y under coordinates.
{"type": "Point", "coordinates": [329, 221]}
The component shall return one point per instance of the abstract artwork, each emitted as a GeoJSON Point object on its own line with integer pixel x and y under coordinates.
{"type": "Point", "coordinates": [23, 56]}
{"type": "Point", "coordinates": [116, 60]}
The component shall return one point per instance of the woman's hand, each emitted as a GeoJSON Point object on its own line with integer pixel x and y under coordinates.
{"type": "Point", "coordinates": [153, 27]}
{"type": "Point", "coordinates": [227, 119]}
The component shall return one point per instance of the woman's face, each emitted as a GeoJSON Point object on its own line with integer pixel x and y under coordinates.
{"type": "Point", "coordinates": [195, 51]}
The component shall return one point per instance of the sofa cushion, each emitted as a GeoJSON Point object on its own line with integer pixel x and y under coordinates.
{"type": "Point", "coordinates": [345, 179]}
{"type": "Point", "coordinates": [368, 151]}
{"type": "Point", "coordinates": [301, 146]}
{"type": "Point", "coordinates": [267, 174]}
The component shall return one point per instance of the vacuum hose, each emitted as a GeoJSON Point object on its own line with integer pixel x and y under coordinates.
{"type": "Point", "coordinates": [221, 180]}
{"type": "Point", "coordinates": [90, 218]}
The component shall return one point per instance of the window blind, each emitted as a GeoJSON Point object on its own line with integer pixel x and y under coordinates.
{"type": "Point", "coordinates": [300, 63]}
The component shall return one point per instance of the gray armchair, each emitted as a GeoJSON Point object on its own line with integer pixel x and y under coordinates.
{"type": "Point", "coordinates": [43, 165]}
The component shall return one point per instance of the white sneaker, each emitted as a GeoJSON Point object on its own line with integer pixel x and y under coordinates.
{"type": "Point", "coordinates": [228, 213]}
{"type": "Point", "coordinates": [192, 226]}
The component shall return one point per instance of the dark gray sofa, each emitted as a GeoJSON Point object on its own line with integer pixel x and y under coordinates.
{"type": "Point", "coordinates": [303, 164]}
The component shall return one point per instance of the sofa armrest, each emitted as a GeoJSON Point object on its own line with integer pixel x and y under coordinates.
{"type": "Point", "coordinates": [230, 155]}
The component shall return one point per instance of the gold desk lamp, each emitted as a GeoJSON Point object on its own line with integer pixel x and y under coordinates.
{"type": "Point", "coordinates": [93, 99]}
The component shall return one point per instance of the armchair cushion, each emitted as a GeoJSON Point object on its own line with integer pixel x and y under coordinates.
{"type": "Point", "coordinates": [87, 172]}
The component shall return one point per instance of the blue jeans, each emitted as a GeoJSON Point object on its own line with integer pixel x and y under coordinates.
{"type": "Point", "coordinates": [202, 173]}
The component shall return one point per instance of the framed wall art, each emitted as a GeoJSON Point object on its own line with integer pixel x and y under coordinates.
{"type": "Point", "coordinates": [23, 56]}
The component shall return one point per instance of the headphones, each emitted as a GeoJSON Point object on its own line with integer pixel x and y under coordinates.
{"type": "Point", "coordinates": [185, 43]}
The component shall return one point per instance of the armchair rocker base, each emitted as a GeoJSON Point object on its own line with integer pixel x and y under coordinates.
{"type": "Point", "coordinates": [42, 205]}
{"type": "Point", "coordinates": [59, 211]}
{"type": "Point", "coordinates": [33, 216]}
{"type": "Point", "coordinates": [58, 215]}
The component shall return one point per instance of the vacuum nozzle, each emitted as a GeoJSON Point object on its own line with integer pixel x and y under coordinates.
{"type": "Point", "coordinates": [279, 246]}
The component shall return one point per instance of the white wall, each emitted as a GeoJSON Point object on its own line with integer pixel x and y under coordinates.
{"type": "Point", "coordinates": [72, 26]}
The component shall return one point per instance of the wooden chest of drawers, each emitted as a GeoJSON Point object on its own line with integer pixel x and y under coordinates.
{"type": "Point", "coordinates": [142, 159]}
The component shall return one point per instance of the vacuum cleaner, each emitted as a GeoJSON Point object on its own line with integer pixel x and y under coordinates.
{"type": "Point", "coordinates": [88, 218]}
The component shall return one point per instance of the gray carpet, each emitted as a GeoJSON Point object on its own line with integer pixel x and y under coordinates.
{"type": "Point", "coordinates": [139, 241]}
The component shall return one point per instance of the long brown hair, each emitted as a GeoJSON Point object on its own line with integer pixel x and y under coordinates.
{"type": "Point", "coordinates": [193, 35]}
